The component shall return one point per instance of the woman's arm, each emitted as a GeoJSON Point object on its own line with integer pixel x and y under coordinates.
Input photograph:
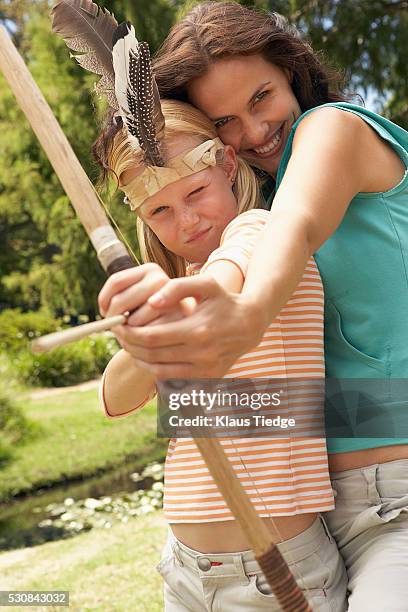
{"type": "Point", "coordinates": [327, 168]}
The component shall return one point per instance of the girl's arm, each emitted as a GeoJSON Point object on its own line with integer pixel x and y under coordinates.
{"type": "Point", "coordinates": [126, 383]}
{"type": "Point", "coordinates": [125, 386]}
{"type": "Point", "coordinates": [227, 275]}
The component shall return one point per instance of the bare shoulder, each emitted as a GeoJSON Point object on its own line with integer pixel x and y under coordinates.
{"type": "Point", "coordinates": [330, 124]}
{"type": "Point", "coordinates": [330, 142]}
{"type": "Point", "coordinates": [345, 141]}
{"type": "Point", "coordinates": [332, 115]}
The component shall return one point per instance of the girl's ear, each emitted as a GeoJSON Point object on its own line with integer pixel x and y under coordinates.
{"type": "Point", "coordinates": [230, 163]}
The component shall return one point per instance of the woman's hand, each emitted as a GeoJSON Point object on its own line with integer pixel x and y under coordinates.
{"type": "Point", "coordinates": [204, 344]}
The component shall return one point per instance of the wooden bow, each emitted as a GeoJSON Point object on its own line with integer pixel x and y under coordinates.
{"type": "Point", "coordinates": [114, 257]}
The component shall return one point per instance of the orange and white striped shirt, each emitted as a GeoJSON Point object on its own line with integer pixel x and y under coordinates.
{"type": "Point", "coordinates": [282, 476]}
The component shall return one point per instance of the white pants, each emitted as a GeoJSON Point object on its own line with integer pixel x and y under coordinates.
{"type": "Point", "coordinates": [233, 582]}
{"type": "Point", "coordinates": [370, 525]}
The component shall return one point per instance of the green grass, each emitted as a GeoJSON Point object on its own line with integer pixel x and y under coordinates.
{"type": "Point", "coordinates": [76, 440]}
{"type": "Point", "coordinates": [108, 570]}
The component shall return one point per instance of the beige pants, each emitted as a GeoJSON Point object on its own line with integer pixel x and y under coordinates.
{"type": "Point", "coordinates": [233, 582]}
{"type": "Point", "coordinates": [370, 525]}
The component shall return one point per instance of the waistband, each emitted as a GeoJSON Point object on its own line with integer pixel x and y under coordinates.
{"type": "Point", "coordinates": [397, 465]}
{"type": "Point", "coordinates": [243, 563]}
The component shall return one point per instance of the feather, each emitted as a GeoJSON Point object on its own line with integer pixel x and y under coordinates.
{"type": "Point", "coordinates": [137, 94]}
{"type": "Point", "coordinates": [88, 29]}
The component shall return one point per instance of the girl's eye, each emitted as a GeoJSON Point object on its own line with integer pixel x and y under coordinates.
{"type": "Point", "coordinates": [159, 209]}
{"type": "Point", "coordinates": [197, 190]}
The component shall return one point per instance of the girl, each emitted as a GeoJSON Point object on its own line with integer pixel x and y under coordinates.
{"type": "Point", "coordinates": [340, 192]}
{"type": "Point", "coordinates": [191, 225]}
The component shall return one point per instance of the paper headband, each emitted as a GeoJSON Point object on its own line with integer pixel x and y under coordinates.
{"type": "Point", "coordinates": [155, 178]}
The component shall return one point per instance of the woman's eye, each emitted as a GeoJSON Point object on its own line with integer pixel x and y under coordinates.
{"type": "Point", "coordinates": [222, 122]}
{"type": "Point", "coordinates": [260, 96]}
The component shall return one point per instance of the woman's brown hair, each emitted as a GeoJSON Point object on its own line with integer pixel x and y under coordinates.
{"type": "Point", "coordinates": [215, 30]}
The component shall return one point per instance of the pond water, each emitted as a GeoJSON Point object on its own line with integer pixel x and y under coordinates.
{"type": "Point", "coordinates": [20, 519]}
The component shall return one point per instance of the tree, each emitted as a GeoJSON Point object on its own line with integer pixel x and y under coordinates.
{"type": "Point", "coordinates": [152, 19]}
{"type": "Point", "coordinates": [368, 39]}
{"type": "Point", "coordinates": [47, 261]}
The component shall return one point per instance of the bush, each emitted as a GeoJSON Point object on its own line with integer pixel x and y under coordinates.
{"type": "Point", "coordinates": [18, 328]}
{"type": "Point", "coordinates": [6, 452]}
{"type": "Point", "coordinates": [15, 429]}
{"type": "Point", "coordinates": [66, 365]}
{"type": "Point", "coordinates": [8, 378]}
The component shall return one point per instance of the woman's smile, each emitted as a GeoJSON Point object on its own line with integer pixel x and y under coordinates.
{"type": "Point", "coordinates": [270, 148]}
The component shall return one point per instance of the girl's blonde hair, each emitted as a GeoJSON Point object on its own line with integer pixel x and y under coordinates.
{"type": "Point", "coordinates": [181, 119]}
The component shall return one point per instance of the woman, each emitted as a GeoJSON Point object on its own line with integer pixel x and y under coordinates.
{"type": "Point", "coordinates": [342, 190]}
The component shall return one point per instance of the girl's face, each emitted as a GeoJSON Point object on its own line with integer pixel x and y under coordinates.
{"type": "Point", "coordinates": [189, 215]}
{"type": "Point", "coordinates": [252, 105]}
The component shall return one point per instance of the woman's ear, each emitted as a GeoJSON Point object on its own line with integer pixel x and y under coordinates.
{"type": "Point", "coordinates": [289, 74]}
{"type": "Point", "coordinates": [230, 163]}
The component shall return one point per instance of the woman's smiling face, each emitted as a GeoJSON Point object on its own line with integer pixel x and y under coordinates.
{"type": "Point", "coordinates": [252, 105]}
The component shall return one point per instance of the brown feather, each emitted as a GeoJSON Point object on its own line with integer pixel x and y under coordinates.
{"type": "Point", "coordinates": [88, 29]}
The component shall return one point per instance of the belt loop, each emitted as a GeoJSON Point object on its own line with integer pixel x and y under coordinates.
{"type": "Point", "coordinates": [176, 551]}
{"type": "Point", "coordinates": [325, 527]}
{"type": "Point", "coordinates": [370, 474]}
{"type": "Point", "coordinates": [239, 566]}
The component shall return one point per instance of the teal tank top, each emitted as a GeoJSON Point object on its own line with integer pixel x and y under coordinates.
{"type": "Point", "coordinates": [364, 268]}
